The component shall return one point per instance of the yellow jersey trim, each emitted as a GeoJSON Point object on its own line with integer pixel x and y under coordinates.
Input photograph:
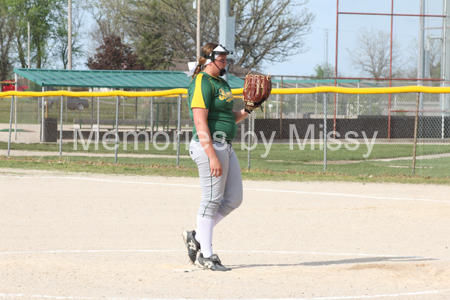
{"type": "Point", "coordinates": [197, 98]}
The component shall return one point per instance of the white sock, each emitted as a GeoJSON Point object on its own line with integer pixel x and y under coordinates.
{"type": "Point", "coordinates": [204, 234]}
{"type": "Point", "coordinates": [218, 218]}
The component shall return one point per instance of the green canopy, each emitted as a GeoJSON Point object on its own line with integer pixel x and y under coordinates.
{"type": "Point", "coordinates": [114, 79]}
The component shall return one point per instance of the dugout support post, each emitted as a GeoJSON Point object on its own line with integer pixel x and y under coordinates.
{"type": "Point", "coordinates": [178, 130]}
{"type": "Point", "coordinates": [61, 127]}
{"type": "Point", "coordinates": [117, 130]}
{"type": "Point", "coordinates": [416, 122]}
{"type": "Point", "coordinates": [10, 124]}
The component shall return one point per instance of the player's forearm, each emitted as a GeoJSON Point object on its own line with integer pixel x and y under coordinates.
{"type": "Point", "coordinates": [240, 115]}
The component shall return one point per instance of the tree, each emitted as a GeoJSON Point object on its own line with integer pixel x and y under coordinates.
{"type": "Point", "coordinates": [43, 15]}
{"type": "Point", "coordinates": [435, 53]}
{"type": "Point", "coordinates": [371, 54]}
{"type": "Point", "coordinates": [323, 70]}
{"type": "Point", "coordinates": [266, 30]}
{"type": "Point", "coordinates": [108, 20]}
{"type": "Point", "coordinates": [114, 55]}
{"type": "Point", "coordinates": [60, 37]}
{"type": "Point", "coordinates": [7, 28]}
{"type": "Point", "coordinates": [269, 30]}
{"type": "Point", "coordinates": [152, 51]}
{"type": "Point", "coordinates": [434, 58]}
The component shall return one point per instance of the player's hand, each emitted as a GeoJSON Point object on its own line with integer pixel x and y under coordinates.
{"type": "Point", "coordinates": [216, 167]}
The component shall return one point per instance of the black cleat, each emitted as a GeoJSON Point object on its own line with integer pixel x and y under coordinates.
{"type": "Point", "coordinates": [212, 263]}
{"type": "Point", "coordinates": [192, 245]}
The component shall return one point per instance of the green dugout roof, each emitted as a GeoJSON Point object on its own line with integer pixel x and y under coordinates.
{"type": "Point", "coordinates": [114, 79]}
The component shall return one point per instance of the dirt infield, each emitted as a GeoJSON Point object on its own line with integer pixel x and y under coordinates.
{"type": "Point", "coordinates": [87, 236]}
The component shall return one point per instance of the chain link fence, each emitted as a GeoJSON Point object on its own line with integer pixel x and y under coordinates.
{"type": "Point", "coordinates": [353, 134]}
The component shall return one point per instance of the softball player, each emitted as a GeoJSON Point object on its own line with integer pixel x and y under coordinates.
{"type": "Point", "coordinates": [211, 102]}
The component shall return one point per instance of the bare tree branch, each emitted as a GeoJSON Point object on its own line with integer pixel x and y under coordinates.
{"type": "Point", "coordinates": [266, 30]}
{"type": "Point", "coordinates": [371, 54]}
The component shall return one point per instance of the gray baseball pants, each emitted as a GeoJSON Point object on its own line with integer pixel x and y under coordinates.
{"type": "Point", "coordinates": [219, 194]}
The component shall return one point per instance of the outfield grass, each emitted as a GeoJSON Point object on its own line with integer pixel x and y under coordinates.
{"type": "Point", "coordinates": [282, 152]}
{"type": "Point", "coordinates": [281, 162]}
{"type": "Point", "coordinates": [278, 152]}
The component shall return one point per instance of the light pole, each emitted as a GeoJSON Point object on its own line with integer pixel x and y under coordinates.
{"type": "Point", "coordinates": [227, 29]}
{"type": "Point", "coordinates": [69, 43]}
{"type": "Point", "coordinates": [198, 28]}
{"type": "Point", "coordinates": [29, 45]}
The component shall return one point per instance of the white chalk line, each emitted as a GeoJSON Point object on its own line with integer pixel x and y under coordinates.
{"type": "Point", "coordinates": [4, 295]}
{"type": "Point", "coordinates": [245, 189]}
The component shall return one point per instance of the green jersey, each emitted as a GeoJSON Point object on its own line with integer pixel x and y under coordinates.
{"type": "Point", "coordinates": [214, 94]}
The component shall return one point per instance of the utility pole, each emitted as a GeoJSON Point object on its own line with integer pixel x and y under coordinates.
{"type": "Point", "coordinates": [421, 67]}
{"type": "Point", "coordinates": [69, 43]}
{"type": "Point", "coordinates": [198, 27]}
{"type": "Point", "coordinates": [29, 34]}
{"type": "Point", "coordinates": [326, 47]}
{"type": "Point", "coordinates": [227, 30]}
{"type": "Point", "coordinates": [445, 63]}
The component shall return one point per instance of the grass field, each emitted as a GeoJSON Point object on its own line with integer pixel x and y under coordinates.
{"type": "Point", "coordinates": [278, 152]}
{"type": "Point", "coordinates": [280, 164]}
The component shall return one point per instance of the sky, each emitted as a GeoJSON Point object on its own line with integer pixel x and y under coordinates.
{"type": "Point", "coordinates": [406, 29]}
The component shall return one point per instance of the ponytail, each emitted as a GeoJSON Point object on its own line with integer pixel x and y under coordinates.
{"type": "Point", "coordinates": [200, 66]}
{"type": "Point", "coordinates": [206, 49]}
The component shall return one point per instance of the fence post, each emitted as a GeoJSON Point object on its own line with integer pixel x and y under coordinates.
{"type": "Point", "coordinates": [92, 108]}
{"type": "Point", "coordinates": [334, 113]}
{"type": "Point", "coordinates": [278, 100]}
{"type": "Point", "coordinates": [357, 102]}
{"type": "Point", "coordinates": [65, 115]}
{"type": "Point", "coordinates": [15, 107]}
{"type": "Point", "coordinates": [250, 116]}
{"type": "Point", "coordinates": [98, 123]}
{"type": "Point", "coordinates": [420, 125]}
{"type": "Point", "coordinates": [178, 130]}
{"type": "Point", "coordinates": [337, 105]}
{"type": "Point", "coordinates": [415, 135]}
{"type": "Point", "coordinates": [325, 132]}
{"type": "Point", "coordinates": [135, 112]}
{"type": "Point", "coordinates": [315, 106]}
{"type": "Point", "coordinates": [117, 130]}
{"type": "Point", "coordinates": [265, 108]}
{"type": "Point", "coordinates": [15, 116]}
{"type": "Point", "coordinates": [10, 124]}
{"type": "Point", "coordinates": [151, 119]}
{"type": "Point", "coordinates": [42, 116]}
{"type": "Point", "coordinates": [61, 127]}
{"type": "Point", "coordinates": [281, 110]}
{"type": "Point", "coordinates": [296, 102]}
{"type": "Point", "coordinates": [38, 116]}
{"type": "Point", "coordinates": [441, 96]}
